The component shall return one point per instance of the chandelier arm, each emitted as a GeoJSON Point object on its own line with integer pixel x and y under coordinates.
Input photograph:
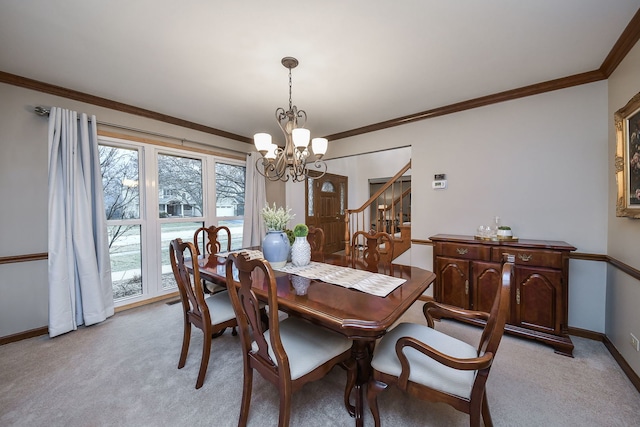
{"type": "Point", "coordinates": [318, 164]}
{"type": "Point", "coordinates": [301, 114]}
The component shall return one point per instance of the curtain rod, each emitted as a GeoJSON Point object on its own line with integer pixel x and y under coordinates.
{"type": "Point", "coordinates": [45, 111]}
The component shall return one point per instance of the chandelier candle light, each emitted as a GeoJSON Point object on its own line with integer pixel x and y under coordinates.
{"type": "Point", "coordinates": [292, 161]}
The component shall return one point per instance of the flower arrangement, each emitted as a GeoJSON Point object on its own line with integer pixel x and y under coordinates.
{"type": "Point", "coordinates": [301, 230]}
{"type": "Point", "coordinates": [276, 218]}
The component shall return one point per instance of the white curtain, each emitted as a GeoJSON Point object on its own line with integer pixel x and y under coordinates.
{"type": "Point", "coordinates": [255, 197]}
{"type": "Point", "coordinates": [80, 289]}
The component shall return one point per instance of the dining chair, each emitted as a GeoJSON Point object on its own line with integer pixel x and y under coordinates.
{"type": "Point", "coordinates": [433, 366]}
{"type": "Point", "coordinates": [315, 237]}
{"type": "Point", "coordinates": [292, 351]}
{"type": "Point", "coordinates": [372, 251]}
{"type": "Point", "coordinates": [213, 239]}
{"type": "Point", "coordinates": [213, 314]}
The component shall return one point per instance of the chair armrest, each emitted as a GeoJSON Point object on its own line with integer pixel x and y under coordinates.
{"type": "Point", "coordinates": [440, 310]}
{"type": "Point", "coordinates": [471, 364]}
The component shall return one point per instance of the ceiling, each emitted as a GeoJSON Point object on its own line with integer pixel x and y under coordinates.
{"type": "Point", "coordinates": [362, 62]}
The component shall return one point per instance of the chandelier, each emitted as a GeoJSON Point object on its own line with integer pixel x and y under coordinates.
{"type": "Point", "coordinates": [295, 160]}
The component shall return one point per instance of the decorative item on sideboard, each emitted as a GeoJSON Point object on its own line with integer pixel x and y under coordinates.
{"type": "Point", "coordinates": [495, 233]}
{"type": "Point", "coordinates": [504, 231]}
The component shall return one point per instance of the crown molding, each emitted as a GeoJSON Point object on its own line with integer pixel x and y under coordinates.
{"type": "Point", "coordinates": [625, 43]}
{"type": "Point", "coordinates": [27, 83]}
{"type": "Point", "coordinates": [548, 86]}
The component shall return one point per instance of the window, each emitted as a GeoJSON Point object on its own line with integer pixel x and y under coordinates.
{"type": "Point", "coordinates": [154, 195]}
{"type": "Point", "coordinates": [230, 180]}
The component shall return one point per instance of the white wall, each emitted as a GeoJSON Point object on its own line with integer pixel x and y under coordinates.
{"type": "Point", "coordinates": [23, 191]}
{"type": "Point", "coordinates": [540, 163]}
{"type": "Point", "coordinates": [623, 292]}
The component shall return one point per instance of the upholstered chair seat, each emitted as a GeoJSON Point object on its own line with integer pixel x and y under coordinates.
{"type": "Point", "coordinates": [307, 345]}
{"type": "Point", "coordinates": [425, 370]}
{"type": "Point", "coordinates": [220, 308]}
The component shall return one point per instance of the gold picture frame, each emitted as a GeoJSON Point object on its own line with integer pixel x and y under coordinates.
{"type": "Point", "coordinates": [627, 161]}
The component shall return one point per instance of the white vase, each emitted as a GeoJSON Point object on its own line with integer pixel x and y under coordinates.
{"type": "Point", "coordinates": [505, 233]}
{"type": "Point", "coordinates": [300, 252]}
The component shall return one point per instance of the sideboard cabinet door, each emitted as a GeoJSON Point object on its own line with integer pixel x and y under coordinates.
{"type": "Point", "coordinates": [486, 278]}
{"type": "Point", "coordinates": [455, 273]}
{"type": "Point", "coordinates": [538, 299]}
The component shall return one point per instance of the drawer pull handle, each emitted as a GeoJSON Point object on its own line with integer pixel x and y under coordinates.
{"type": "Point", "coordinates": [462, 251]}
{"type": "Point", "coordinates": [525, 258]}
{"type": "Point", "coordinates": [518, 296]}
{"type": "Point", "coordinates": [466, 287]}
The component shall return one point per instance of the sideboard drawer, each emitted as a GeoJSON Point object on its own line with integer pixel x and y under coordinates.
{"type": "Point", "coordinates": [539, 258]}
{"type": "Point", "coordinates": [455, 250]}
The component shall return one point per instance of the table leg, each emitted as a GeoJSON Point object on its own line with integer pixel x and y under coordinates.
{"type": "Point", "coordinates": [362, 355]}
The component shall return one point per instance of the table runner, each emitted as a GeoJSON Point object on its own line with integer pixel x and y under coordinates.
{"type": "Point", "coordinates": [253, 254]}
{"type": "Point", "coordinates": [372, 283]}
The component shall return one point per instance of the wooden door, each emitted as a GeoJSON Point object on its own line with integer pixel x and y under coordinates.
{"type": "Point", "coordinates": [326, 202]}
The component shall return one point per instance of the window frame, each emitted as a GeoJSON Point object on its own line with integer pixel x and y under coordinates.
{"type": "Point", "coordinates": [149, 219]}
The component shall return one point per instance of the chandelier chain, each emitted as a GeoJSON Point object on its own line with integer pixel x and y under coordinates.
{"type": "Point", "coordinates": [290, 86]}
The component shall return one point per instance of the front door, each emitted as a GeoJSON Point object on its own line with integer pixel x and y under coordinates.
{"type": "Point", "coordinates": [326, 202]}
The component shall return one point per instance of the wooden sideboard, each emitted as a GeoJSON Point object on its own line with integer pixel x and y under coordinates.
{"type": "Point", "coordinates": [468, 276]}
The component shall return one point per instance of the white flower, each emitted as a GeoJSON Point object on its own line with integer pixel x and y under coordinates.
{"type": "Point", "coordinates": [276, 218]}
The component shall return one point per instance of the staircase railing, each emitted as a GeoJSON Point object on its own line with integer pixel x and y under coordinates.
{"type": "Point", "coordinates": [389, 213]}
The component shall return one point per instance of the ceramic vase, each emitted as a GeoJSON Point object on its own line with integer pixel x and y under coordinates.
{"type": "Point", "coordinates": [300, 252]}
{"type": "Point", "coordinates": [275, 248]}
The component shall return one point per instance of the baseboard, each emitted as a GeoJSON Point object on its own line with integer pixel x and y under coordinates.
{"type": "Point", "coordinates": [597, 336]}
{"type": "Point", "coordinates": [631, 374]}
{"type": "Point", "coordinates": [24, 335]}
{"type": "Point", "coordinates": [584, 333]}
{"type": "Point", "coordinates": [147, 301]}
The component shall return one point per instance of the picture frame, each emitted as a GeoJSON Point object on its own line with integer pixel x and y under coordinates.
{"type": "Point", "coordinates": [627, 160]}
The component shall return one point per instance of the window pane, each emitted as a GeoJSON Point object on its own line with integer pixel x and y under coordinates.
{"type": "Point", "coordinates": [179, 186]}
{"type": "Point", "coordinates": [168, 232]}
{"type": "Point", "coordinates": [229, 190]}
{"type": "Point", "coordinates": [126, 261]}
{"type": "Point", "coordinates": [235, 226]}
{"type": "Point", "coordinates": [328, 187]}
{"type": "Point", "coordinates": [119, 168]}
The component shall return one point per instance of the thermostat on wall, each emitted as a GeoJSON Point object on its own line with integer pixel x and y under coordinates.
{"type": "Point", "coordinates": [440, 184]}
{"type": "Point", "coordinates": [439, 181]}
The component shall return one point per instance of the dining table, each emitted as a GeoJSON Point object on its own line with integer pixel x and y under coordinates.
{"type": "Point", "coordinates": [360, 316]}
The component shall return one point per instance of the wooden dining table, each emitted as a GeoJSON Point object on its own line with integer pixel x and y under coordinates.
{"type": "Point", "coordinates": [357, 315]}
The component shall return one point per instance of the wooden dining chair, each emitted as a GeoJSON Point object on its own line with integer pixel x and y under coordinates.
{"type": "Point", "coordinates": [213, 242]}
{"type": "Point", "coordinates": [292, 351]}
{"type": "Point", "coordinates": [372, 251]}
{"type": "Point", "coordinates": [213, 314]}
{"type": "Point", "coordinates": [315, 237]}
{"type": "Point", "coordinates": [441, 368]}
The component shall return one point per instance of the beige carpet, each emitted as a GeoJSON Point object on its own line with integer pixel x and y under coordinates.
{"type": "Point", "coordinates": [123, 373]}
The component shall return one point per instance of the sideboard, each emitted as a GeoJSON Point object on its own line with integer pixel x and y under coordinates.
{"type": "Point", "coordinates": [468, 276]}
